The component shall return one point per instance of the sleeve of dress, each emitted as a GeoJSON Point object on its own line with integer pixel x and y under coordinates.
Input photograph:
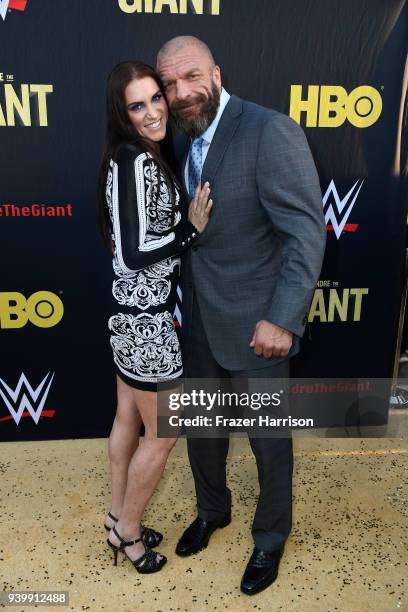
{"type": "Point", "coordinates": [136, 245]}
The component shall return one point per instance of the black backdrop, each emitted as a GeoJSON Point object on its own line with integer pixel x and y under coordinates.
{"type": "Point", "coordinates": [264, 47]}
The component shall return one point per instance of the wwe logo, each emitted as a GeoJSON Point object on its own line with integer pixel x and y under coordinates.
{"type": "Point", "coordinates": [337, 210]}
{"type": "Point", "coordinates": [25, 398]}
{"type": "Point", "coordinates": [18, 5]}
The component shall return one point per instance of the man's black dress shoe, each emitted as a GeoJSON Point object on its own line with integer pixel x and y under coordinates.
{"type": "Point", "coordinates": [197, 535]}
{"type": "Point", "coordinates": [261, 571]}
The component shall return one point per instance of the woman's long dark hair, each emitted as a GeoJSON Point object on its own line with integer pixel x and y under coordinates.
{"type": "Point", "coordinates": [120, 130]}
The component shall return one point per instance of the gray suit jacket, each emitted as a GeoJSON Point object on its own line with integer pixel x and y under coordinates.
{"type": "Point", "coordinates": [261, 253]}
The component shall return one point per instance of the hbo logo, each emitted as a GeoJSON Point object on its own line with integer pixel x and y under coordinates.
{"type": "Point", "coordinates": [330, 106]}
{"type": "Point", "coordinates": [43, 309]}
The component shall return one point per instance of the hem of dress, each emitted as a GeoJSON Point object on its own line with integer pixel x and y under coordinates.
{"type": "Point", "coordinates": [158, 385]}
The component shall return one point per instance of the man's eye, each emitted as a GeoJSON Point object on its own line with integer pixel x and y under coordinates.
{"type": "Point", "coordinates": [193, 77]}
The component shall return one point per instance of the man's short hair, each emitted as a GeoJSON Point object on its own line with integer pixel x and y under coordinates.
{"type": "Point", "coordinates": [179, 42]}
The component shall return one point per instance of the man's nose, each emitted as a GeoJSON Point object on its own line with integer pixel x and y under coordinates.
{"type": "Point", "coordinates": [182, 90]}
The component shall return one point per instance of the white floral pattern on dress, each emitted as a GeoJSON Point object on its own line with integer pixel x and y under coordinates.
{"type": "Point", "coordinates": [108, 191]}
{"type": "Point", "coordinates": [148, 287]}
{"type": "Point", "coordinates": [158, 215]}
{"type": "Point", "coordinates": [146, 347]}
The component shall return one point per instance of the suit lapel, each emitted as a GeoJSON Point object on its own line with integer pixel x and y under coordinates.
{"type": "Point", "coordinates": [223, 135]}
{"type": "Point", "coordinates": [183, 165]}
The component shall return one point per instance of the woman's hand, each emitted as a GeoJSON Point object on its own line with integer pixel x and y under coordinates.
{"type": "Point", "coordinates": [200, 207]}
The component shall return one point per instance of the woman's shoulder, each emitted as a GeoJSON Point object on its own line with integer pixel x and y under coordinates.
{"type": "Point", "coordinates": [129, 151]}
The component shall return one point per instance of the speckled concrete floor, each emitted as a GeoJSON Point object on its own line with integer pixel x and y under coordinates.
{"type": "Point", "coordinates": [347, 552]}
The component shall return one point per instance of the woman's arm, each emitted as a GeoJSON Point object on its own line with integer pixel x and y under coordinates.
{"type": "Point", "coordinates": [136, 248]}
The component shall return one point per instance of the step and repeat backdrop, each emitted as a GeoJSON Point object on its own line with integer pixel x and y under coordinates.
{"type": "Point", "coordinates": [338, 69]}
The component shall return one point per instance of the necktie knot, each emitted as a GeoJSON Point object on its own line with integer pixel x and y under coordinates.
{"type": "Point", "coordinates": [195, 165]}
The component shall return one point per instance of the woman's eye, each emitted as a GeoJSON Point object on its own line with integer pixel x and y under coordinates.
{"type": "Point", "coordinates": [136, 107]}
{"type": "Point", "coordinates": [157, 97]}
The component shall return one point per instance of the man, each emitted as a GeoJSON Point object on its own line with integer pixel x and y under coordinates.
{"type": "Point", "coordinates": [248, 280]}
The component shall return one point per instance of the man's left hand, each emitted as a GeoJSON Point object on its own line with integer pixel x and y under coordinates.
{"type": "Point", "coordinates": [270, 340]}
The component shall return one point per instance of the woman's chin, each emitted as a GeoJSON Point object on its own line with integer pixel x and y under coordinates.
{"type": "Point", "coordinates": [157, 136]}
{"type": "Point", "coordinates": [161, 137]}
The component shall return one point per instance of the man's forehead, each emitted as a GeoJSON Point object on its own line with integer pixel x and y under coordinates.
{"type": "Point", "coordinates": [183, 61]}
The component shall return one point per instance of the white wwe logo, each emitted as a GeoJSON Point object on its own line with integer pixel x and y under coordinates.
{"type": "Point", "coordinates": [344, 206]}
{"type": "Point", "coordinates": [3, 8]}
{"type": "Point", "coordinates": [31, 400]}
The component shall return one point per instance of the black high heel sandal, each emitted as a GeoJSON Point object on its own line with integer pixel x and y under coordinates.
{"type": "Point", "coordinates": [149, 537]}
{"type": "Point", "coordinates": [148, 563]}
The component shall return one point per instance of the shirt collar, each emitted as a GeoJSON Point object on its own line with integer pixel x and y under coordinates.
{"type": "Point", "coordinates": [210, 131]}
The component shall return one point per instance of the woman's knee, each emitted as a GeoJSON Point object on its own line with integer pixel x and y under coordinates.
{"type": "Point", "coordinates": [125, 429]}
{"type": "Point", "coordinates": [164, 445]}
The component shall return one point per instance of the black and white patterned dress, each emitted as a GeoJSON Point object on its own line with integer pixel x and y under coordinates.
{"type": "Point", "coordinates": [148, 240]}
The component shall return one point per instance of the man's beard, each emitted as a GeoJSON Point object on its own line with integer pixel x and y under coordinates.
{"type": "Point", "coordinates": [197, 125]}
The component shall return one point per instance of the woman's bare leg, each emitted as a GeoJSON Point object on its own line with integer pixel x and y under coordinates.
{"type": "Point", "coordinates": [145, 470]}
{"type": "Point", "coordinates": [123, 441]}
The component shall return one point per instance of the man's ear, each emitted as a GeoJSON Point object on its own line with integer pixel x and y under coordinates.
{"type": "Point", "coordinates": [217, 76]}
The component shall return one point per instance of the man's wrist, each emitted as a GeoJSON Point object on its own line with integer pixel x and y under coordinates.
{"type": "Point", "coordinates": [276, 325]}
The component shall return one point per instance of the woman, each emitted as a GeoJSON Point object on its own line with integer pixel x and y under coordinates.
{"type": "Point", "coordinates": [145, 223]}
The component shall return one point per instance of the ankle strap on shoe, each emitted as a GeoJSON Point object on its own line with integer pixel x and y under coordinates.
{"type": "Point", "coordinates": [124, 543]}
{"type": "Point", "coordinates": [112, 517]}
